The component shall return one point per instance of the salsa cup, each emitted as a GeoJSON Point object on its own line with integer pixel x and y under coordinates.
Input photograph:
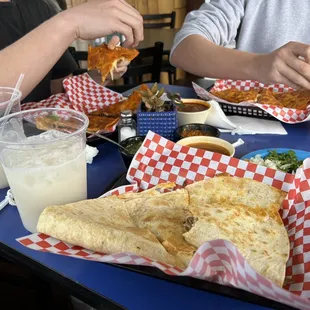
{"type": "Point", "coordinates": [193, 115]}
{"type": "Point", "coordinates": [45, 166]}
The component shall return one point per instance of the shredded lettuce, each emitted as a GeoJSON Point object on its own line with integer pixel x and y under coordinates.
{"type": "Point", "coordinates": [286, 162]}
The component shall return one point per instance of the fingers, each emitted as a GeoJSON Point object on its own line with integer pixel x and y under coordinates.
{"type": "Point", "coordinates": [302, 68]}
{"type": "Point", "coordinates": [113, 42]}
{"type": "Point", "coordinates": [135, 25]}
{"type": "Point", "coordinates": [292, 63]}
{"type": "Point", "coordinates": [123, 63]}
{"type": "Point", "coordinates": [300, 49]}
{"type": "Point", "coordinates": [132, 18]}
{"type": "Point", "coordinates": [126, 30]}
{"type": "Point", "coordinates": [130, 7]}
{"type": "Point", "coordinates": [289, 71]}
{"type": "Point", "coordinates": [284, 80]}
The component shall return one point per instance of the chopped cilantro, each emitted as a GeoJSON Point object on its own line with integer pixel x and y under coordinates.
{"type": "Point", "coordinates": [53, 117]}
{"type": "Point", "coordinates": [287, 162]}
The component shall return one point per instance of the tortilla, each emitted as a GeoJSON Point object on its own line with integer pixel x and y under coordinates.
{"type": "Point", "coordinates": [166, 220]}
{"type": "Point", "coordinates": [258, 233]}
{"type": "Point", "coordinates": [227, 189]}
{"type": "Point", "coordinates": [130, 103]}
{"type": "Point", "coordinates": [299, 99]}
{"type": "Point", "coordinates": [236, 96]}
{"type": "Point", "coordinates": [267, 97]}
{"type": "Point", "coordinates": [105, 60]}
{"type": "Point", "coordinates": [163, 211]}
{"type": "Point", "coordinates": [168, 224]}
{"type": "Point", "coordinates": [99, 123]}
{"type": "Point", "coordinates": [102, 225]}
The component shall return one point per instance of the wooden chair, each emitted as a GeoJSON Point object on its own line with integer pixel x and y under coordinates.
{"type": "Point", "coordinates": [154, 21]}
{"type": "Point", "coordinates": [149, 61]}
{"type": "Point", "coordinates": [78, 57]}
{"type": "Point", "coordinates": [159, 17]}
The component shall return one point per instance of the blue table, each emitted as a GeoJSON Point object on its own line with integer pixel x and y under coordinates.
{"type": "Point", "coordinates": [102, 285]}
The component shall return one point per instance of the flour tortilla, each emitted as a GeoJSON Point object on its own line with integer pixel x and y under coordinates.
{"type": "Point", "coordinates": [226, 189]}
{"type": "Point", "coordinates": [165, 214]}
{"type": "Point", "coordinates": [166, 219]}
{"type": "Point", "coordinates": [258, 234]}
{"type": "Point", "coordinates": [102, 225]}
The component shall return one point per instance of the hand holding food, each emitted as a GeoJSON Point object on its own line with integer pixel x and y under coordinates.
{"type": "Point", "coordinates": [99, 18]}
{"type": "Point", "coordinates": [290, 65]}
{"type": "Point", "coordinates": [108, 60]}
{"type": "Point", "coordinates": [121, 66]}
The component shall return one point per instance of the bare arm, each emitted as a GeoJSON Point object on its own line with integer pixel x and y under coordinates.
{"type": "Point", "coordinates": [204, 58]}
{"type": "Point", "coordinates": [37, 52]}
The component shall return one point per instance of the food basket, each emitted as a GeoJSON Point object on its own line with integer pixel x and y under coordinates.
{"type": "Point", "coordinates": [83, 94]}
{"type": "Point", "coordinates": [160, 160]}
{"type": "Point", "coordinates": [287, 115]}
{"type": "Point", "coordinates": [244, 111]}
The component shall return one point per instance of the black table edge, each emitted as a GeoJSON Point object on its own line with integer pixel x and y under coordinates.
{"type": "Point", "coordinates": [73, 288]}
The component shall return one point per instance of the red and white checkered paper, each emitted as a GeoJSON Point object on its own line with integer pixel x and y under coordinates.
{"type": "Point", "coordinates": [82, 94]}
{"type": "Point", "coordinates": [160, 160]}
{"type": "Point", "coordinates": [286, 115]}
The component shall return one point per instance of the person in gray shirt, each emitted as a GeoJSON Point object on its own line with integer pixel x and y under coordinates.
{"type": "Point", "coordinates": [271, 40]}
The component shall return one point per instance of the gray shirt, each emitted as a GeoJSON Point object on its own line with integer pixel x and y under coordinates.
{"type": "Point", "coordinates": [258, 26]}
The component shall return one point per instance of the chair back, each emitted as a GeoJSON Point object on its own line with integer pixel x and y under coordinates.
{"type": "Point", "coordinates": [156, 20]}
{"type": "Point", "coordinates": [149, 61]}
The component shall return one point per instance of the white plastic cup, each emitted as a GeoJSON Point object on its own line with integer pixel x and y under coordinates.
{"type": "Point", "coordinates": [44, 167]}
{"type": "Point", "coordinates": [8, 96]}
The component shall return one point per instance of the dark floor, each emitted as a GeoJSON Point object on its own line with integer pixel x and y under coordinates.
{"type": "Point", "coordinates": [20, 289]}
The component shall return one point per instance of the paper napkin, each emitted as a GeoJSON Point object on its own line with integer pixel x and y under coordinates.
{"type": "Point", "coordinates": [242, 124]}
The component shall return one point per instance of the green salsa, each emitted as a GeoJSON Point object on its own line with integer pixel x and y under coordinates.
{"type": "Point", "coordinates": [133, 146]}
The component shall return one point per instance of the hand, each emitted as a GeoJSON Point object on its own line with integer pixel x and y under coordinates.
{"type": "Point", "coordinates": [121, 66]}
{"type": "Point", "coordinates": [99, 18]}
{"type": "Point", "coordinates": [290, 65]}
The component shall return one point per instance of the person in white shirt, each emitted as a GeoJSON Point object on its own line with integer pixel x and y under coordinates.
{"type": "Point", "coordinates": [271, 39]}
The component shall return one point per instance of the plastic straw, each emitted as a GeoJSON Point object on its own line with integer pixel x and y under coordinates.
{"type": "Point", "coordinates": [17, 87]}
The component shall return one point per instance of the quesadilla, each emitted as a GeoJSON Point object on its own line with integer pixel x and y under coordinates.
{"type": "Point", "coordinates": [166, 220]}
{"type": "Point", "coordinates": [114, 110]}
{"type": "Point", "coordinates": [258, 234]}
{"type": "Point", "coordinates": [168, 224]}
{"type": "Point", "coordinates": [299, 99]}
{"type": "Point", "coordinates": [153, 218]}
{"type": "Point", "coordinates": [236, 96]}
{"type": "Point", "coordinates": [105, 60]}
{"type": "Point", "coordinates": [164, 212]}
{"type": "Point", "coordinates": [227, 189]}
{"type": "Point", "coordinates": [102, 225]}
{"type": "Point", "coordinates": [266, 96]}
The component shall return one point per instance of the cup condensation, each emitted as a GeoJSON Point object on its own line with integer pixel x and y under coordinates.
{"type": "Point", "coordinates": [8, 96]}
{"type": "Point", "coordinates": [49, 166]}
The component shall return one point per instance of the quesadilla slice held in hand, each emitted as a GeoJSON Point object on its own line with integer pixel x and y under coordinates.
{"type": "Point", "coordinates": [105, 60]}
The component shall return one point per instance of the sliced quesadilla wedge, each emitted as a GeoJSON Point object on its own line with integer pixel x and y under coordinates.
{"type": "Point", "coordinates": [258, 234]}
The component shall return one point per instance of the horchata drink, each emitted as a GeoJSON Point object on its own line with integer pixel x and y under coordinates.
{"type": "Point", "coordinates": [8, 97]}
{"type": "Point", "coordinates": [44, 158]}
